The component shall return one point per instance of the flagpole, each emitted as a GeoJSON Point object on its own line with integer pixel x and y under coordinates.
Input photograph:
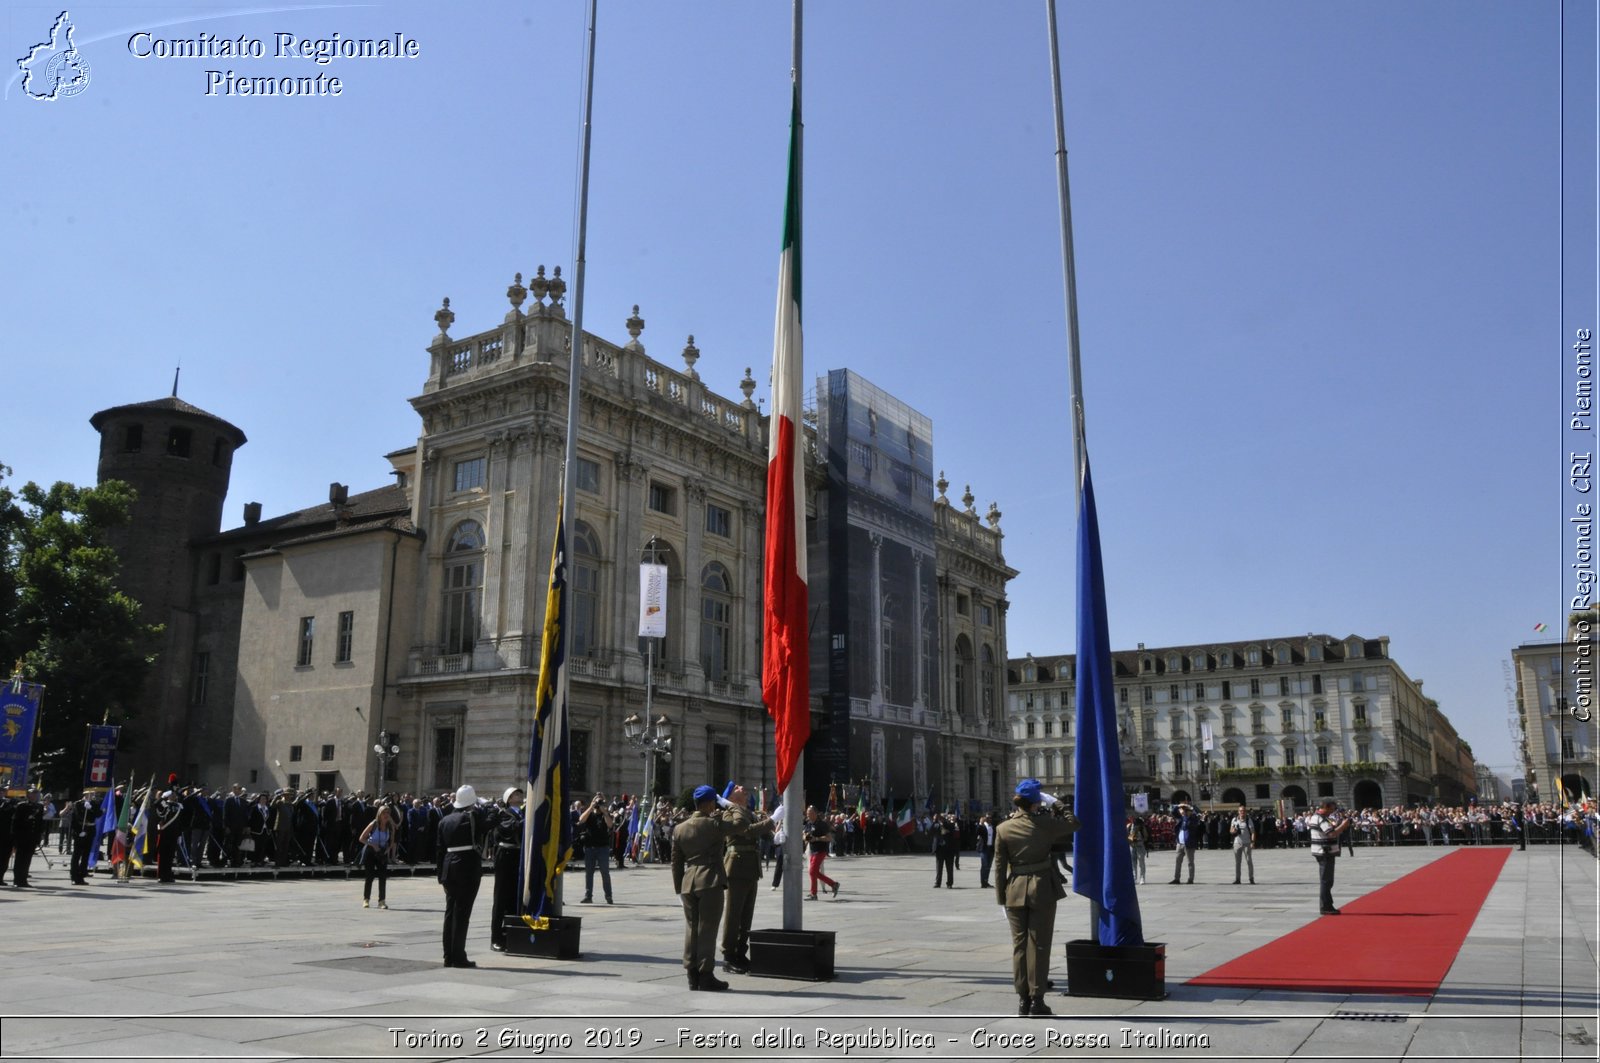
{"type": "Point", "coordinates": [1068, 269]}
{"type": "Point", "coordinates": [794, 793]}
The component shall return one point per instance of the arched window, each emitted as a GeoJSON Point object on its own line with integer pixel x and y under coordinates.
{"type": "Point", "coordinates": [988, 679]}
{"type": "Point", "coordinates": [716, 621]}
{"type": "Point", "coordinates": [584, 639]}
{"type": "Point", "coordinates": [463, 577]}
{"type": "Point", "coordinates": [963, 675]}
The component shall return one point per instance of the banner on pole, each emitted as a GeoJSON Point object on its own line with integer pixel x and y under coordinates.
{"type": "Point", "coordinates": [99, 759]}
{"type": "Point", "coordinates": [652, 601]}
{"type": "Point", "coordinates": [19, 719]}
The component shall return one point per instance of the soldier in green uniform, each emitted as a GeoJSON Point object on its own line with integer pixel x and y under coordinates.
{"type": "Point", "coordinates": [1028, 884]}
{"type": "Point", "coordinates": [742, 864]}
{"type": "Point", "coordinates": [700, 882]}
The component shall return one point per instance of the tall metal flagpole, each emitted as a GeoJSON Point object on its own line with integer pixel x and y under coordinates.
{"type": "Point", "coordinates": [794, 794]}
{"type": "Point", "coordinates": [1068, 270]}
{"type": "Point", "coordinates": [575, 370]}
{"type": "Point", "coordinates": [1070, 280]}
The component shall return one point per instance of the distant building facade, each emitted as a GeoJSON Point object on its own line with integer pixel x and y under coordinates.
{"type": "Point", "coordinates": [1284, 719]}
{"type": "Point", "coordinates": [409, 617]}
{"type": "Point", "coordinates": [1555, 708]}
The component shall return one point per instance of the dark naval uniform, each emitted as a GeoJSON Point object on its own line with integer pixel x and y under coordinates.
{"type": "Point", "coordinates": [700, 882]}
{"type": "Point", "coordinates": [1027, 883]}
{"type": "Point", "coordinates": [27, 829]}
{"type": "Point", "coordinates": [742, 866]}
{"type": "Point", "coordinates": [84, 820]}
{"type": "Point", "coordinates": [507, 872]}
{"type": "Point", "coordinates": [460, 873]}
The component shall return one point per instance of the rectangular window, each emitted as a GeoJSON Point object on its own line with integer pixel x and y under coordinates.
{"type": "Point", "coordinates": [986, 615]}
{"type": "Point", "coordinates": [1227, 688]}
{"type": "Point", "coordinates": [1255, 688]}
{"type": "Point", "coordinates": [719, 521]}
{"type": "Point", "coordinates": [1361, 711]}
{"type": "Point", "coordinates": [1316, 684]}
{"type": "Point", "coordinates": [327, 752]}
{"type": "Point", "coordinates": [1263, 791]}
{"type": "Point", "coordinates": [1569, 748]}
{"type": "Point", "coordinates": [1324, 789]}
{"type": "Point", "coordinates": [1288, 719]}
{"type": "Point", "coordinates": [469, 474]}
{"type": "Point", "coordinates": [1261, 758]}
{"type": "Point", "coordinates": [721, 762]}
{"type": "Point", "coordinates": [1049, 728]}
{"type": "Point", "coordinates": [1200, 692]}
{"type": "Point", "coordinates": [444, 758]}
{"type": "Point", "coordinates": [1288, 757]}
{"type": "Point", "coordinates": [295, 753]}
{"type": "Point", "coordinates": [307, 637]}
{"type": "Point", "coordinates": [1363, 753]}
{"type": "Point", "coordinates": [962, 605]}
{"type": "Point", "coordinates": [1177, 763]}
{"type": "Point", "coordinates": [1322, 754]}
{"type": "Point", "coordinates": [1175, 692]}
{"type": "Point", "coordinates": [588, 478]}
{"type": "Point", "coordinates": [202, 678]}
{"type": "Point", "coordinates": [347, 633]}
{"type": "Point", "coordinates": [294, 780]}
{"type": "Point", "coordinates": [1150, 764]}
{"type": "Point", "coordinates": [1230, 758]}
{"type": "Point", "coordinates": [1031, 727]}
{"type": "Point", "coordinates": [179, 441]}
{"type": "Point", "coordinates": [133, 438]}
{"type": "Point", "coordinates": [663, 499]}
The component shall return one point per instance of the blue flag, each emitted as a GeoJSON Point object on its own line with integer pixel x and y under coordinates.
{"type": "Point", "coordinates": [106, 824]}
{"type": "Point", "coordinates": [547, 830]}
{"type": "Point", "coordinates": [1102, 868]}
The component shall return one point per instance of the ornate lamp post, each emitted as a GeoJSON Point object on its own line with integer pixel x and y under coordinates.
{"type": "Point", "coordinates": [387, 748]}
{"type": "Point", "coordinates": [651, 742]}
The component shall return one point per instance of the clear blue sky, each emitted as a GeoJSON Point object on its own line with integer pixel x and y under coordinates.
{"type": "Point", "coordinates": [1317, 249]}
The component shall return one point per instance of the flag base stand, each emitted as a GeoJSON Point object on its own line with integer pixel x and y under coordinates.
{"type": "Point", "coordinates": [802, 954]}
{"type": "Point", "coordinates": [560, 942]}
{"type": "Point", "coordinates": [1127, 972]}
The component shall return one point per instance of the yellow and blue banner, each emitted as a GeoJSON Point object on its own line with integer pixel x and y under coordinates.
{"type": "Point", "coordinates": [547, 831]}
{"type": "Point", "coordinates": [19, 720]}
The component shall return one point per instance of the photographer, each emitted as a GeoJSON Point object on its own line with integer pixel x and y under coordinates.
{"type": "Point", "coordinates": [946, 840]}
{"type": "Point", "coordinates": [1326, 826]}
{"type": "Point", "coordinates": [594, 832]}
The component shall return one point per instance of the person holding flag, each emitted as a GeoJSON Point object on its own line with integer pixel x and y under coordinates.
{"type": "Point", "coordinates": [85, 824]}
{"type": "Point", "coordinates": [742, 865]}
{"type": "Point", "coordinates": [1027, 884]}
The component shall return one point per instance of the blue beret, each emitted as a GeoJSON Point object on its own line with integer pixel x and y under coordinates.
{"type": "Point", "coordinates": [704, 793]}
{"type": "Point", "coordinates": [727, 791]}
{"type": "Point", "coordinates": [1029, 789]}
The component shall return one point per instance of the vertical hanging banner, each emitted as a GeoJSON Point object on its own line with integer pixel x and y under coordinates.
{"type": "Point", "coordinates": [19, 719]}
{"type": "Point", "coordinates": [652, 601]}
{"type": "Point", "coordinates": [99, 757]}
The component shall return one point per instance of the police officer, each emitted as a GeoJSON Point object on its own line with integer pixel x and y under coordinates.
{"type": "Point", "coordinates": [1027, 883]}
{"type": "Point", "coordinates": [168, 813]}
{"type": "Point", "coordinates": [460, 871]}
{"type": "Point", "coordinates": [699, 879]}
{"type": "Point", "coordinates": [742, 865]}
{"type": "Point", "coordinates": [507, 864]}
{"type": "Point", "coordinates": [27, 830]}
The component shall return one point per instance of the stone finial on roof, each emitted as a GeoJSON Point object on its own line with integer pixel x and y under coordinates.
{"type": "Point", "coordinates": [967, 500]}
{"type": "Point", "coordinates": [993, 516]}
{"type": "Point", "coordinates": [691, 354]}
{"type": "Point", "coordinates": [558, 288]}
{"type": "Point", "coordinates": [635, 325]}
{"type": "Point", "coordinates": [444, 318]}
{"type": "Point", "coordinates": [942, 484]}
{"type": "Point", "coordinates": [539, 286]}
{"type": "Point", "coordinates": [516, 293]}
{"type": "Point", "coordinates": [748, 386]}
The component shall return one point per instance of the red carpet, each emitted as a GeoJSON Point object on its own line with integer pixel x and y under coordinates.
{"type": "Point", "coordinates": [1399, 940]}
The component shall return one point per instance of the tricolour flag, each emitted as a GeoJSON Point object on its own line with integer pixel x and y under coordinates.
{"type": "Point", "coordinates": [1539, 627]}
{"type": "Point", "coordinates": [1102, 868]}
{"type": "Point", "coordinates": [140, 847]}
{"type": "Point", "coordinates": [547, 830]}
{"type": "Point", "coordinates": [904, 820]}
{"type": "Point", "coordinates": [786, 660]}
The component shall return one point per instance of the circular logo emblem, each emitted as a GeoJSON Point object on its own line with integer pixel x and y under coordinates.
{"type": "Point", "coordinates": [68, 72]}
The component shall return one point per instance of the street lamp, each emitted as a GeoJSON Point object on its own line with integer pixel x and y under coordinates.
{"type": "Point", "coordinates": [387, 748]}
{"type": "Point", "coordinates": [651, 742]}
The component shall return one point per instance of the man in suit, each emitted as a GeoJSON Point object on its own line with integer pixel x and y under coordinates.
{"type": "Point", "coordinates": [27, 831]}
{"type": "Point", "coordinates": [1186, 834]}
{"type": "Point", "coordinates": [235, 820]}
{"type": "Point", "coordinates": [1027, 883]}
{"type": "Point", "coordinates": [945, 844]}
{"type": "Point", "coordinates": [742, 865]}
{"type": "Point", "coordinates": [700, 880]}
{"type": "Point", "coordinates": [82, 823]}
{"type": "Point", "coordinates": [460, 871]}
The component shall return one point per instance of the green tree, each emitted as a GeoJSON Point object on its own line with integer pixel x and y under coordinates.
{"type": "Point", "coordinates": [64, 618]}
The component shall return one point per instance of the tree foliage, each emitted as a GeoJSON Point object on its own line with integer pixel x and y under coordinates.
{"type": "Point", "coordinates": [62, 616]}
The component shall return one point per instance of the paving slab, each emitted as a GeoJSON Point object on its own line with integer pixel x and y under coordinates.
{"type": "Point", "coordinates": [294, 968]}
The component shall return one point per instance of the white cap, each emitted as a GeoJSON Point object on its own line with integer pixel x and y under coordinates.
{"type": "Point", "coordinates": [466, 797]}
{"type": "Point", "coordinates": [505, 798]}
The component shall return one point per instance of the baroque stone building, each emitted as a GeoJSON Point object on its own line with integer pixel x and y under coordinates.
{"type": "Point", "coordinates": [409, 617]}
{"type": "Point", "coordinates": [1555, 709]}
{"type": "Point", "coordinates": [1290, 719]}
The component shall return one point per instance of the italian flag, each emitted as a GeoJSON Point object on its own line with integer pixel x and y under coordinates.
{"type": "Point", "coordinates": [785, 663]}
{"type": "Point", "coordinates": [904, 821]}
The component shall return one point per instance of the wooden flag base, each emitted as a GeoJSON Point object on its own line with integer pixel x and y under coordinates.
{"type": "Point", "coordinates": [560, 942]}
{"type": "Point", "coordinates": [803, 954]}
{"type": "Point", "coordinates": [1127, 972]}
